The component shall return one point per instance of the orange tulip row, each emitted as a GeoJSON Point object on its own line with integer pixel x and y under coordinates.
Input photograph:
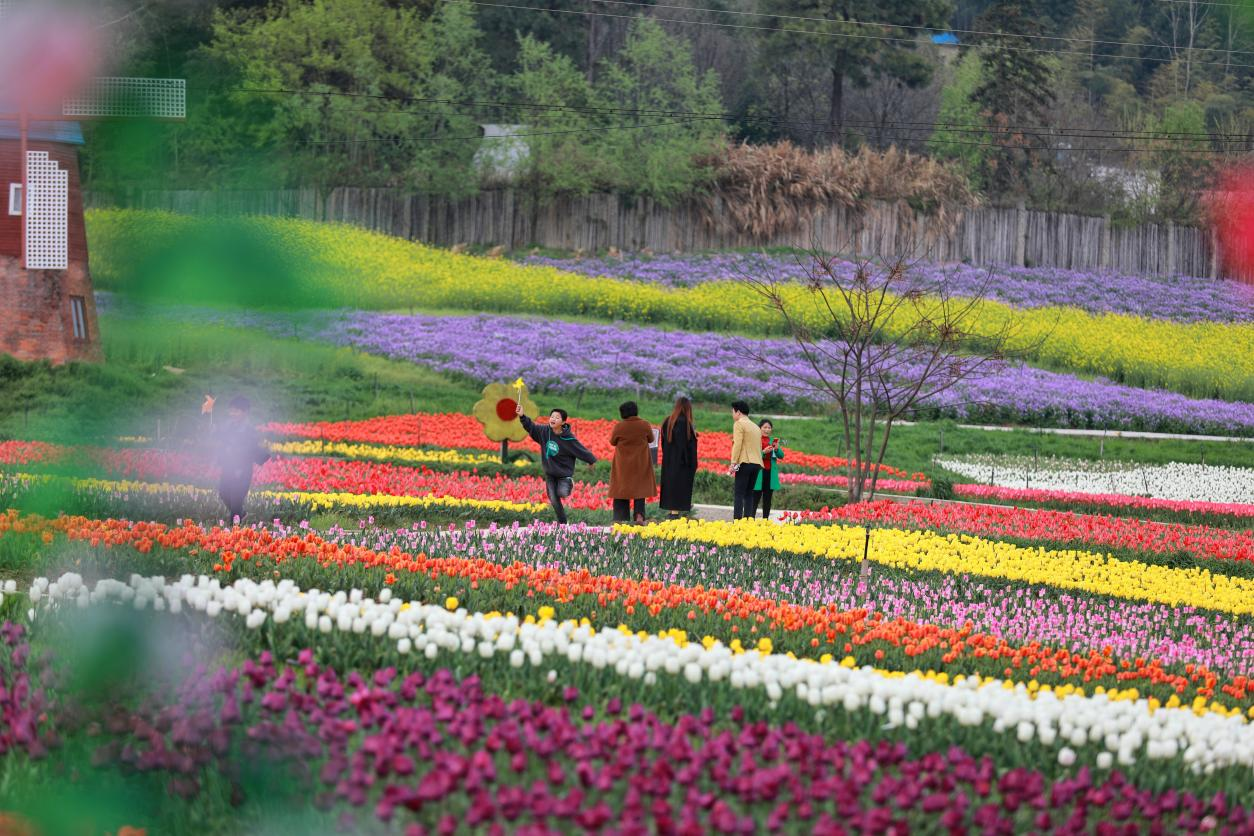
{"type": "Point", "coordinates": [830, 629]}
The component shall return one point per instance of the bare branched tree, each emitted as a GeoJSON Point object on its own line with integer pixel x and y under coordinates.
{"type": "Point", "coordinates": [878, 341]}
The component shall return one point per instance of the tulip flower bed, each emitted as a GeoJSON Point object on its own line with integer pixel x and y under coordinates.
{"type": "Point", "coordinates": [315, 475]}
{"type": "Point", "coordinates": [1222, 514]}
{"type": "Point", "coordinates": [1049, 718]}
{"type": "Point", "coordinates": [147, 464]}
{"type": "Point", "coordinates": [1174, 481]}
{"type": "Point", "coordinates": [24, 452]}
{"type": "Point", "coordinates": [459, 431]}
{"type": "Point", "coordinates": [169, 502]}
{"type": "Point", "coordinates": [930, 551]}
{"type": "Point", "coordinates": [426, 750]}
{"type": "Point", "coordinates": [1014, 612]}
{"type": "Point", "coordinates": [642, 604]}
{"type": "Point", "coordinates": [1058, 528]}
{"type": "Point", "coordinates": [386, 453]}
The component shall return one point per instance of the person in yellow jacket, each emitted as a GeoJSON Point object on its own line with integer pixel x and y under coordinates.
{"type": "Point", "coordinates": [746, 459]}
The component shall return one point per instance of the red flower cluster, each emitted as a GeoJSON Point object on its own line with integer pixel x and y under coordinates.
{"type": "Point", "coordinates": [26, 452]}
{"type": "Point", "coordinates": [145, 464]}
{"type": "Point", "coordinates": [318, 475]}
{"type": "Point", "coordinates": [1049, 526]}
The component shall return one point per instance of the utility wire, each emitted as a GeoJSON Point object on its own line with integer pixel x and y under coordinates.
{"type": "Point", "coordinates": [440, 138]}
{"type": "Point", "coordinates": [946, 127]}
{"type": "Point", "coordinates": [849, 35]}
{"type": "Point", "coordinates": [887, 25]}
{"type": "Point", "coordinates": [601, 129]}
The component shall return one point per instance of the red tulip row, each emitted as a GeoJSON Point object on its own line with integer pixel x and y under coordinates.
{"type": "Point", "coordinates": [25, 452]}
{"type": "Point", "coordinates": [318, 475]}
{"type": "Point", "coordinates": [150, 465]}
{"type": "Point", "coordinates": [463, 431]}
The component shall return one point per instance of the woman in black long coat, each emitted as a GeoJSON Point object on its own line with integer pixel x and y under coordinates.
{"type": "Point", "coordinates": [679, 459]}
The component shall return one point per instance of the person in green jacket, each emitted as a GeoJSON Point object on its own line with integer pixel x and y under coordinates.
{"type": "Point", "coordinates": [768, 477]}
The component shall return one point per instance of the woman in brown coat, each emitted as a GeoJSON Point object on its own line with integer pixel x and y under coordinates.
{"type": "Point", "coordinates": [632, 480]}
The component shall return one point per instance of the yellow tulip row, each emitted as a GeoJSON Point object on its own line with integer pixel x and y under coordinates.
{"type": "Point", "coordinates": [317, 501]}
{"type": "Point", "coordinates": [963, 554]}
{"type": "Point", "coordinates": [352, 267]}
{"type": "Point", "coordinates": [334, 501]}
{"type": "Point", "coordinates": [383, 452]}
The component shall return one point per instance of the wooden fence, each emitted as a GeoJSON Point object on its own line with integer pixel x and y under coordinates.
{"type": "Point", "coordinates": [983, 236]}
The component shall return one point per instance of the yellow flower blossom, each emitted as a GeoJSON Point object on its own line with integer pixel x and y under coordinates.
{"type": "Point", "coordinates": [930, 551]}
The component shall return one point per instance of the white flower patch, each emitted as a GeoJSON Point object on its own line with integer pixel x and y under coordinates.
{"type": "Point", "coordinates": [1184, 482]}
{"type": "Point", "coordinates": [1127, 730]}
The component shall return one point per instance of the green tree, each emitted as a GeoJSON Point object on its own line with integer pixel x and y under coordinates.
{"type": "Point", "coordinates": [364, 84]}
{"type": "Point", "coordinates": [1013, 98]}
{"type": "Point", "coordinates": [840, 43]}
{"type": "Point", "coordinates": [562, 155]}
{"type": "Point", "coordinates": [623, 131]}
{"type": "Point", "coordinates": [1182, 172]}
{"type": "Point", "coordinates": [652, 153]}
{"type": "Point", "coordinates": [957, 136]}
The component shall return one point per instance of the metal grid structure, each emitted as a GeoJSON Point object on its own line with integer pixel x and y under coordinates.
{"type": "Point", "coordinates": [157, 98]}
{"type": "Point", "coordinates": [47, 213]}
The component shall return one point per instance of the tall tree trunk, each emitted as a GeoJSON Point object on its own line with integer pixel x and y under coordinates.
{"type": "Point", "coordinates": [836, 115]}
{"type": "Point", "coordinates": [596, 37]}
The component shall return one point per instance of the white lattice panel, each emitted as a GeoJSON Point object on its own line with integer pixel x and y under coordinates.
{"type": "Point", "coordinates": [47, 213]}
{"type": "Point", "coordinates": [162, 98]}
{"type": "Point", "coordinates": [4, 7]}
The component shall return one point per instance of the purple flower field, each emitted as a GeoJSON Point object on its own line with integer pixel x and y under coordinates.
{"type": "Point", "coordinates": [1185, 299]}
{"type": "Point", "coordinates": [558, 356]}
{"type": "Point", "coordinates": [564, 357]}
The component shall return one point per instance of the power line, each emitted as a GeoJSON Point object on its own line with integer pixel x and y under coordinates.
{"type": "Point", "coordinates": [850, 35]}
{"type": "Point", "coordinates": [887, 25]}
{"type": "Point", "coordinates": [947, 127]}
{"type": "Point", "coordinates": [606, 128]}
{"type": "Point", "coordinates": [1207, 3]}
{"type": "Point", "coordinates": [439, 138]}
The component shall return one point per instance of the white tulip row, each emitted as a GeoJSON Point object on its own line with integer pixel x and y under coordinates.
{"type": "Point", "coordinates": [1185, 482]}
{"type": "Point", "coordinates": [1126, 730]}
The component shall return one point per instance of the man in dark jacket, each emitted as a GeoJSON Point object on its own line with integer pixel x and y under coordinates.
{"type": "Point", "coordinates": [239, 448]}
{"type": "Point", "coordinates": [558, 451]}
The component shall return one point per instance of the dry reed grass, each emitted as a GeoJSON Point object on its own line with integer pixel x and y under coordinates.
{"type": "Point", "coordinates": [766, 190]}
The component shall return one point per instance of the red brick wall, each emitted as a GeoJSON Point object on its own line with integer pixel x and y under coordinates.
{"type": "Point", "coordinates": [35, 319]}
{"type": "Point", "coordinates": [11, 172]}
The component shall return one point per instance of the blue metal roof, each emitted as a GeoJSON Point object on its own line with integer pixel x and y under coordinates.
{"type": "Point", "coordinates": [945, 38]}
{"type": "Point", "coordinates": [66, 132]}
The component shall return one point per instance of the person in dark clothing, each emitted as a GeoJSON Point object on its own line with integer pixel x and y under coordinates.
{"type": "Point", "coordinates": [632, 480]}
{"type": "Point", "coordinates": [239, 448]}
{"type": "Point", "coordinates": [679, 459]}
{"type": "Point", "coordinates": [559, 449]}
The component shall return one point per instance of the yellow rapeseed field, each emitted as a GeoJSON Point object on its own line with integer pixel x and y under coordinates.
{"type": "Point", "coordinates": [343, 266]}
